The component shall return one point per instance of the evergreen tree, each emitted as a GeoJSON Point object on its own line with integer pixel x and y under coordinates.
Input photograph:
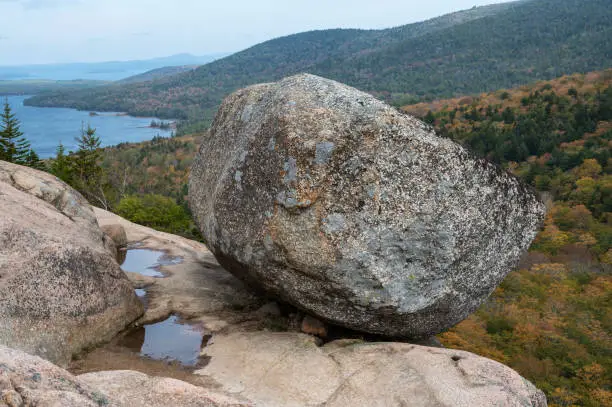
{"type": "Point", "coordinates": [429, 118]}
{"type": "Point", "coordinates": [13, 146]}
{"type": "Point", "coordinates": [61, 167]}
{"type": "Point", "coordinates": [87, 156]}
{"type": "Point", "coordinates": [34, 161]}
{"type": "Point", "coordinates": [88, 176]}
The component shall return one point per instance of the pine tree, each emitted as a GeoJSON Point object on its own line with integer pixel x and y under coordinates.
{"type": "Point", "coordinates": [88, 175]}
{"type": "Point", "coordinates": [13, 146]}
{"type": "Point", "coordinates": [32, 160]}
{"type": "Point", "coordinates": [87, 157]}
{"type": "Point", "coordinates": [61, 167]}
{"type": "Point", "coordinates": [429, 118]}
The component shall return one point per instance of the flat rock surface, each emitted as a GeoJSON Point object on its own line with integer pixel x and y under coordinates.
{"type": "Point", "coordinates": [61, 290]}
{"type": "Point", "coordinates": [290, 370]}
{"type": "Point", "coordinates": [335, 202]}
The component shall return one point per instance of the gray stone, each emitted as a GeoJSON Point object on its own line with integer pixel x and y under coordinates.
{"type": "Point", "coordinates": [353, 211]}
{"type": "Point", "coordinates": [61, 290]}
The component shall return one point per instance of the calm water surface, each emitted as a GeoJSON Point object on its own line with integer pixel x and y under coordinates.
{"type": "Point", "coordinates": [45, 127]}
{"type": "Point", "coordinates": [171, 339]}
{"type": "Point", "coordinates": [147, 262]}
{"type": "Point", "coordinates": [143, 261]}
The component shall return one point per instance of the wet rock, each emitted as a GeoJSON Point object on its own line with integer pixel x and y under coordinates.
{"type": "Point", "coordinates": [313, 326]}
{"type": "Point", "coordinates": [196, 288]}
{"type": "Point", "coordinates": [330, 200]}
{"type": "Point", "coordinates": [57, 278]}
{"type": "Point", "coordinates": [117, 233]}
{"type": "Point", "coordinates": [290, 370]}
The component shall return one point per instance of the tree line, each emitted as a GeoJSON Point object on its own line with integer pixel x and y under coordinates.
{"type": "Point", "coordinates": [102, 186]}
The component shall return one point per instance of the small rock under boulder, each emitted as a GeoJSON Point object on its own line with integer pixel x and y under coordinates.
{"type": "Point", "coordinates": [331, 200]}
{"type": "Point", "coordinates": [61, 290]}
{"type": "Point", "coordinates": [313, 326]}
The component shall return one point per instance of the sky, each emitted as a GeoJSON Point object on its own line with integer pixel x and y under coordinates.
{"type": "Point", "coordinates": [59, 31]}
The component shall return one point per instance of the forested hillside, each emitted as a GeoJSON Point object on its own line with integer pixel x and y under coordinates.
{"type": "Point", "coordinates": [552, 319]}
{"type": "Point", "coordinates": [158, 73]}
{"type": "Point", "coordinates": [467, 52]}
{"type": "Point", "coordinates": [31, 87]}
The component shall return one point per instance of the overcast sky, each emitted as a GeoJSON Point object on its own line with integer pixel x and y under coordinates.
{"type": "Point", "coordinates": [48, 31]}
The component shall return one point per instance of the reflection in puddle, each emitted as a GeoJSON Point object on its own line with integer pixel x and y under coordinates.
{"type": "Point", "coordinates": [121, 253]}
{"type": "Point", "coordinates": [166, 340]}
{"type": "Point", "coordinates": [147, 262]}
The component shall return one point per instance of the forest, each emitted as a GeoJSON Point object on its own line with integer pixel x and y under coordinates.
{"type": "Point", "coordinates": [551, 319]}
{"type": "Point", "coordinates": [35, 86]}
{"type": "Point", "coordinates": [481, 49]}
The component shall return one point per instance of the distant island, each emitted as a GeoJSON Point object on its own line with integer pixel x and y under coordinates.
{"type": "Point", "coordinates": [162, 125]}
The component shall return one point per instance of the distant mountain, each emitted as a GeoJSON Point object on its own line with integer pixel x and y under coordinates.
{"type": "Point", "coordinates": [108, 71]}
{"type": "Point", "coordinates": [471, 51]}
{"type": "Point", "coordinates": [158, 73]}
{"type": "Point", "coordinates": [32, 87]}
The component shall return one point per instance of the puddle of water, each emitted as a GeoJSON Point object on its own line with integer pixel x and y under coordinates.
{"type": "Point", "coordinates": [140, 292]}
{"type": "Point", "coordinates": [168, 340]}
{"type": "Point", "coordinates": [144, 261]}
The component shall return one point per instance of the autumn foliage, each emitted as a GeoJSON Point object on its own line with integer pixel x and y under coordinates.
{"type": "Point", "coordinates": [551, 320]}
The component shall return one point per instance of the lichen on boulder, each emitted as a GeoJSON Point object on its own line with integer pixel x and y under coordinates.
{"type": "Point", "coordinates": [331, 200]}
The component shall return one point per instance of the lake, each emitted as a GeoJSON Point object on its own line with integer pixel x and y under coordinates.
{"type": "Point", "coordinates": [45, 127]}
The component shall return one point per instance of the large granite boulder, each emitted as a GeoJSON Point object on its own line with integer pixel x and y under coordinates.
{"type": "Point", "coordinates": [27, 380]}
{"type": "Point", "coordinates": [290, 370]}
{"type": "Point", "coordinates": [61, 290]}
{"type": "Point", "coordinates": [331, 200]}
